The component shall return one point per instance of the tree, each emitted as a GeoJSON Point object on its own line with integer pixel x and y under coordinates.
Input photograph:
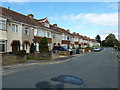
{"type": "Point", "coordinates": [117, 44]}
{"type": "Point", "coordinates": [43, 45]}
{"type": "Point", "coordinates": [98, 38]}
{"type": "Point", "coordinates": [32, 48]}
{"type": "Point", "coordinates": [103, 43]}
{"type": "Point", "coordinates": [110, 40]}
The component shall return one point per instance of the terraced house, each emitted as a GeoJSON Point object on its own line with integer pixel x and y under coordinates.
{"type": "Point", "coordinates": [18, 31]}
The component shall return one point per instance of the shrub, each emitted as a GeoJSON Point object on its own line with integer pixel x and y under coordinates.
{"type": "Point", "coordinates": [73, 47]}
{"type": "Point", "coordinates": [32, 48]}
{"type": "Point", "coordinates": [79, 48]}
{"type": "Point", "coordinates": [43, 45]}
{"type": "Point", "coordinates": [21, 53]}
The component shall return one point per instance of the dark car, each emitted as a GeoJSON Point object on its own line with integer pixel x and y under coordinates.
{"type": "Point", "coordinates": [61, 48]}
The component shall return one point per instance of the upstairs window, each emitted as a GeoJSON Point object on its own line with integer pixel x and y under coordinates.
{"type": "Point", "coordinates": [46, 24]}
{"type": "Point", "coordinates": [40, 33]}
{"type": "Point", "coordinates": [68, 38]}
{"type": "Point", "coordinates": [27, 31]}
{"type": "Point", "coordinates": [48, 34]}
{"type": "Point", "coordinates": [35, 32]}
{"type": "Point", "coordinates": [58, 36]}
{"type": "Point", "coordinates": [2, 25]}
{"type": "Point", "coordinates": [54, 36]}
{"type": "Point", "coordinates": [15, 28]}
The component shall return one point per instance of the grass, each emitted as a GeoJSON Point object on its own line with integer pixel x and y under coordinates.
{"type": "Point", "coordinates": [31, 58]}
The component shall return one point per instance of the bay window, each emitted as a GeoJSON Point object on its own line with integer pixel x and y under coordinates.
{"type": "Point", "coordinates": [40, 33]}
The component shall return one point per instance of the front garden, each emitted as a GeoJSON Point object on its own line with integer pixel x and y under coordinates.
{"type": "Point", "coordinates": [43, 54]}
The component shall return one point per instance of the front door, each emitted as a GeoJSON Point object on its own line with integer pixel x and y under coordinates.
{"type": "Point", "coordinates": [15, 46]}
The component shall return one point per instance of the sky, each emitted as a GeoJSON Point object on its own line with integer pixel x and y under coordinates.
{"type": "Point", "coordinates": [86, 18]}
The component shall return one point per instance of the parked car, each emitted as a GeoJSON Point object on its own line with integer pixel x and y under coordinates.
{"type": "Point", "coordinates": [97, 49]}
{"type": "Point", "coordinates": [61, 48]}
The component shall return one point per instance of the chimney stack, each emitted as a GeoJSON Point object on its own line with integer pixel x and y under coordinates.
{"type": "Point", "coordinates": [31, 16]}
{"type": "Point", "coordinates": [55, 25]}
{"type": "Point", "coordinates": [68, 30]}
{"type": "Point", "coordinates": [74, 32]}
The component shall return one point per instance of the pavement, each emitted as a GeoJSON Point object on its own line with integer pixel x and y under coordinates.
{"type": "Point", "coordinates": [96, 69]}
{"type": "Point", "coordinates": [33, 62]}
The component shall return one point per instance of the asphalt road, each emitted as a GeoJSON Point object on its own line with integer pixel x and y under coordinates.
{"type": "Point", "coordinates": [97, 70]}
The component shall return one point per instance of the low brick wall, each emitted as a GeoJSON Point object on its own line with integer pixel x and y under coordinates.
{"type": "Point", "coordinates": [12, 59]}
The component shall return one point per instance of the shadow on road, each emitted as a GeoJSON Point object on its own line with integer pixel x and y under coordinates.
{"type": "Point", "coordinates": [47, 85]}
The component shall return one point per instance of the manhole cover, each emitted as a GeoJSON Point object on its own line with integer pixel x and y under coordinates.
{"type": "Point", "coordinates": [68, 79]}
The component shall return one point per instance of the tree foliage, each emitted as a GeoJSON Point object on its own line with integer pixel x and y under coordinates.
{"type": "Point", "coordinates": [43, 45]}
{"type": "Point", "coordinates": [98, 38]}
{"type": "Point", "coordinates": [32, 48]}
{"type": "Point", "coordinates": [110, 40]}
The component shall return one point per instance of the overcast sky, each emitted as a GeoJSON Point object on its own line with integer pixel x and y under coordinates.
{"type": "Point", "coordinates": [86, 18]}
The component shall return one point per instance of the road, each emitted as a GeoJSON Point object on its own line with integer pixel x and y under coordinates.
{"type": "Point", "coordinates": [96, 69]}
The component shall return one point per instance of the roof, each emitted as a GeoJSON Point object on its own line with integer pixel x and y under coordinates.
{"type": "Point", "coordinates": [17, 16]}
{"type": "Point", "coordinates": [63, 30]}
{"type": "Point", "coordinates": [43, 20]}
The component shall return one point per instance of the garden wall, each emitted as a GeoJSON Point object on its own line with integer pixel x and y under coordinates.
{"type": "Point", "coordinates": [12, 59]}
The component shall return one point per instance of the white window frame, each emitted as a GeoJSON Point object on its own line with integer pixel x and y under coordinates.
{"type": "Point", "coordinates": [3, 24]}
{"type": "Point", "coordinates": [35, 32]}
{"type": "Point", "coordinates": [54, 36]}
{"type": "Point", "coordinates": [5, 43]}
{"type": "Point", "coordinates": [28, 31]}
{"type": "Point", "coordinates": [46, 24]}
{"type": "Point", "coordinates": [40, 33]}
{"type": "Point", "coordinates": [15, 28]}
{"type": "Point", "coordinates": [59, 36]}
{"type": "Point", "coordinates": [48, 35]}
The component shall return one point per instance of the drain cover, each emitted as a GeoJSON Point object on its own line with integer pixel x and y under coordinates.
{"type": "Point", "coordinates": [68, 79]}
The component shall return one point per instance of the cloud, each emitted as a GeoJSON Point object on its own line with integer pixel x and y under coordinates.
{"type": "Point", "coordinates": [113, 6]}
{"type": "Point", "coordinates": [104, 19]}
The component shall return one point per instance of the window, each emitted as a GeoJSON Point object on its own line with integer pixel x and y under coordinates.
{"type": "Point", "coordinates": [54, 36]}
{"type": "Point", "coordinates": [2, 46]}
{"type": "Point", "coordinates": [58, 36]}
{"type": "Point", "coordinates": [14, 28]}
{"type": "Point", "coordinates": [2, 25]}
{"type": "Point", "coordinates": [65, 37]}
{"type": "Point", "coordinates": [62, 37]}
{"type": "Point", "coordinates": [46, 25]}
{"type": "Point", "coordinates": [40, 33]}
{"type": "Point", "coordinates": [68, 38]}
{"type": "Point", "coordinates": [48, 34]}
{"type": "Point", "coordinates": [35, 32]}
{"type": "Point", "coordinates": [27, 31]}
